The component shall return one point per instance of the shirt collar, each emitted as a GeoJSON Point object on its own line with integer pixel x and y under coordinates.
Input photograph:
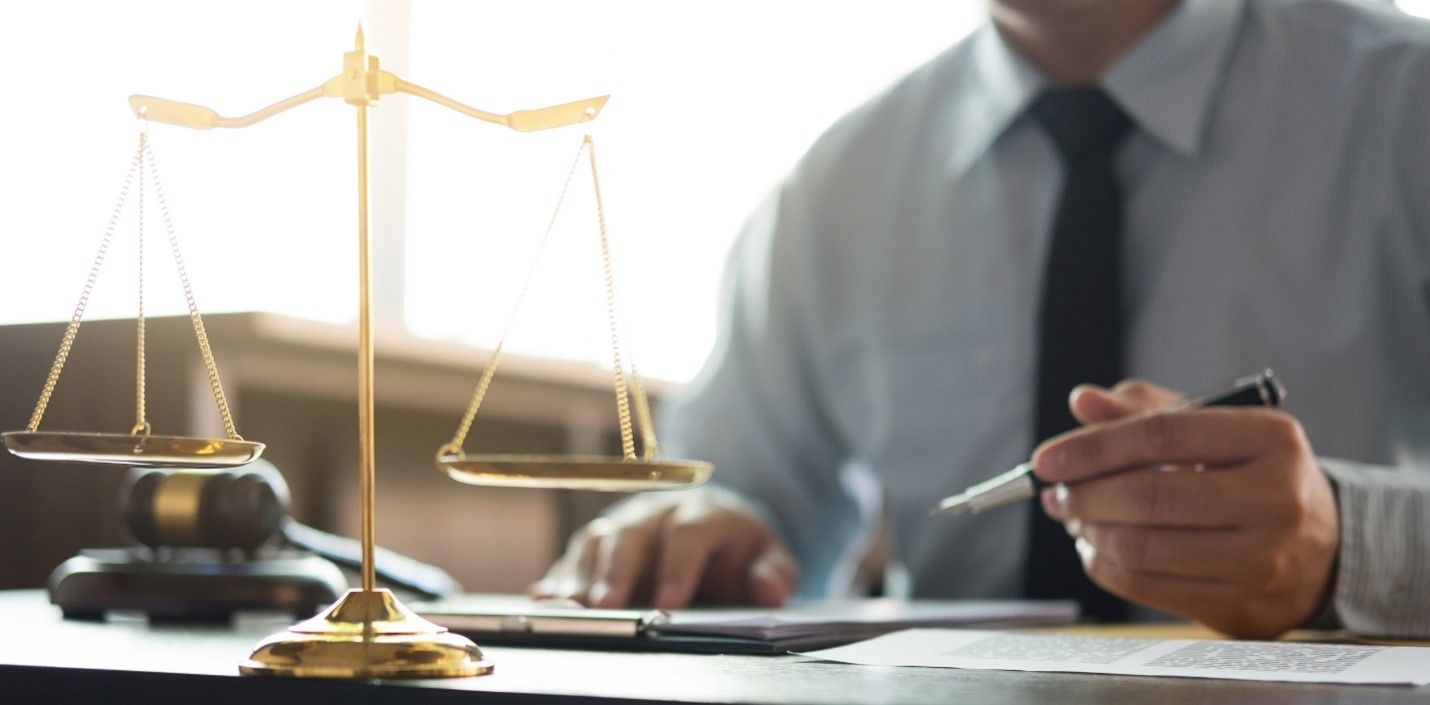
{"type": "Point", "coordinates": [996, 87]}
{"type": "Point", "coordinates": [1166, 83]}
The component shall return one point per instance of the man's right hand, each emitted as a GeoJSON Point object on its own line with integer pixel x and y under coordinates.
{"type": "Point", "coordinates": [670, 552]}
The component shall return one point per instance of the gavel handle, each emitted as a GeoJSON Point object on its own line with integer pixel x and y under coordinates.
{"type": "Point", "coordinates": [393, 568]}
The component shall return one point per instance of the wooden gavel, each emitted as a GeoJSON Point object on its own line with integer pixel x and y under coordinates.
{"type": "Point", "coordinates": [241, 508]}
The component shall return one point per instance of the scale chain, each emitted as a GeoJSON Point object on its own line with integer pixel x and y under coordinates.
{"type": "Point", "coordinates": [623, 410]}
{"type": "Point", "coordinates": [210, 367]}
{"type": "Point", "coordinates": [650, 448]}
{"type": "Point", "coordinates": [140, 424]}
{"type": "Point", "coordinates": [455, 445]}
{"type": "Point", "coordinates": [624, 395]}
{"type": "Point", "coordinates": [72, 330]}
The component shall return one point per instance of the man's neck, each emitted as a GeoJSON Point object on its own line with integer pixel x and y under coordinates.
{"type": "Point", "coordinates": [1073, 42]}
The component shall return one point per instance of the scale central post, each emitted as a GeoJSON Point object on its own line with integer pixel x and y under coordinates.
{"type": "Point", "coordinates": [360, 73]}
{"type": "Point", "coordinates": [368, 633]}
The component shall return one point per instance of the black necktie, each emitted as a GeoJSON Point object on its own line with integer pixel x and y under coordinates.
{"type": "Point", "coordinates": [1080, 320]}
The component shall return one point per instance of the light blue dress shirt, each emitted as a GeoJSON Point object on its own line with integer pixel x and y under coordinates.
{"type": "Point", "coordinates": [878, 340]}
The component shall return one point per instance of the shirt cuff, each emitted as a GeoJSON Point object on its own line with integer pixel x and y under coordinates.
{"type": "Point", "coordinates": [1383, 571]}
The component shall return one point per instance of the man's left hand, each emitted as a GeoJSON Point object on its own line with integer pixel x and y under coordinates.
{"type": "Point", "coordinates": [1220, 515]}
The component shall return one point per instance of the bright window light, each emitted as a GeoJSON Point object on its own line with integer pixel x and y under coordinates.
{"type": "Point", "coordinates": [712, 104]}
{"type": "Point", "coordinates": [1419, 8]}
{"type": "Point", "coordinates": [264, 214]}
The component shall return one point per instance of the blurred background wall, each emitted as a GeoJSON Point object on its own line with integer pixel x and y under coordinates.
{"type": "Point", "coordinates": [290, 384]}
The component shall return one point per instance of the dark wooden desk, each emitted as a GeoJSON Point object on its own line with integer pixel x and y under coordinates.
{"type": "Point", "coordinates": [45, 659]}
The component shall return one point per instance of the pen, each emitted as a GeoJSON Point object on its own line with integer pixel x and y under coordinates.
{"type": "Point", "coordinates": [1020, 483]}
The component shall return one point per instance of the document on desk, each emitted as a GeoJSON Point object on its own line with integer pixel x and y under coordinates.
{"type": "Point", "coordinates": [1186, 658]}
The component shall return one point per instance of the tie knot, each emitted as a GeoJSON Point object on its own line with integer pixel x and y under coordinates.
{"type": "Point", "coordinates": [1083, 122]}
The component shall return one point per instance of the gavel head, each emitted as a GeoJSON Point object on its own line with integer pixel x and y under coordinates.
{"type": "Point", "coordinates": [240, 508]}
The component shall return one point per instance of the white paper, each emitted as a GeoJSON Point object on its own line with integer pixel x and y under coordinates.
{"type": "Point", "coordinates": [1185, 658]}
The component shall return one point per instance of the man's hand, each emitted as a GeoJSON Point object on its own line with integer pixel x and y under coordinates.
{"type": "Point", "coordinates": [1220, 515]}
{"type": "Point", "coordinates": [670, 552]}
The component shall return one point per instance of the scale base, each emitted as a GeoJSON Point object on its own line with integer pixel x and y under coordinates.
{"type": "Point", "coordinates": [366, 634]}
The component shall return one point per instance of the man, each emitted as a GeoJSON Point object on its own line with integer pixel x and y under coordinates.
{"type": "Point", "coordinates": [1082, 191]}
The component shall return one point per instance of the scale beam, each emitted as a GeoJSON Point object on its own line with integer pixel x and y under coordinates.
{"type": "Point", "coordinates": [363, 82]}
{"type": "Point", "coordinates": [199, 117]}
{"type": "Point", "coordinates": [522, 120]}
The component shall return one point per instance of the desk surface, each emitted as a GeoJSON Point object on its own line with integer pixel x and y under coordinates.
{"type": "Point", "coordinates": [46, 659]}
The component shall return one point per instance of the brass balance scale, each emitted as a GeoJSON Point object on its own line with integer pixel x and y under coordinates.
{"type": "Point", "coordinates": [367, 633]}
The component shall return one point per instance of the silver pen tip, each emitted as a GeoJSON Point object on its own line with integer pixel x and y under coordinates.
{"type": "Point", "coordinates": [1012, 486]}
{"type": "Point", "coordinates": [951, 506]}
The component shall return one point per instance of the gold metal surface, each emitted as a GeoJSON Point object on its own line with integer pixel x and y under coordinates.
{"type": "Point", "coordinates": [363, 82]}
{"type": "Point", "coordinates": [574, 472]}
{"type": "Point", "coordinates": [359, 87]}
{"type": "Point", "coordinates": [360, 636]}
{"type": "Point", "coordinates": [618, 368]}
{"type": "Point", "coordinates": [133, 450]}
{"type": "Point", "coordinates": [176, 508]}
{"type": "Point", "coordinates": [366, 443]}
{"type": "Point", "coordinates": [201, 118]}
{"type": "Point", "coordinates": [141, 425]}
{"type": "Point", "coordinates": [366, 634]}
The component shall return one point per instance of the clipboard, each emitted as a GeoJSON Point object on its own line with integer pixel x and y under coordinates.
{"type": "Point", "coordinates": [518, 621]}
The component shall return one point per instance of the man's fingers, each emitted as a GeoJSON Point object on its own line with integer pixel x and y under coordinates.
{"type": "Point", "coordinates": [1218, 555]}
{"type": "Point", "coordinates": [707, 547]}
{"type": "Point", "coordinates": [1179, 595]}
{"type": "Point", "coordinates": [1144, 395]}
{"type": "Point", "coordinates": [1202, 436]}
{"type": "Point", "coordinates": [773, 576]}
{"type": "Point", "coordinates": [685, 550]}
{"type": "Point", "coordinates": [1217, 498]}
{"type": "Point", "coordinates": [622, 558]}
{"type": "Point", "coordinates": [569, 576]}
{"type": "Point", "coordinates": [1093, 404]}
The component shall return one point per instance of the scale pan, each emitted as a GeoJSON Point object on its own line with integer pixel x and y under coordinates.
{"type": "Point", "coordinates": [575, 472]}
{"type": "Point", "coordinates": [126, 449]}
